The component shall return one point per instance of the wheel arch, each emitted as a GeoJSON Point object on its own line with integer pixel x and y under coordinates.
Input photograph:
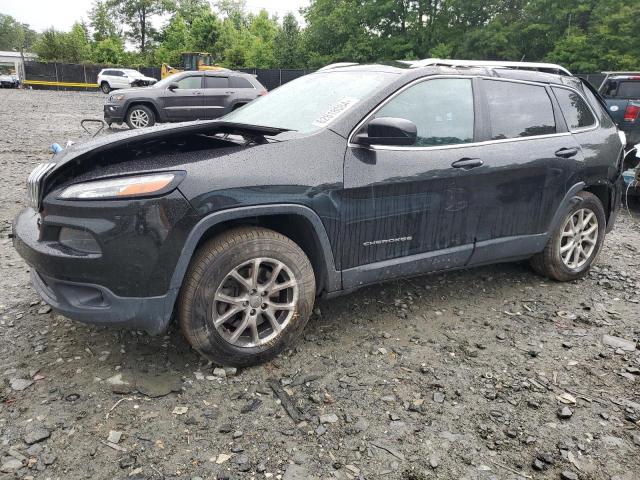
{"type": "Point", "coordinates": [604, 192]}
{"type": "Point", "coordinates": [297, 222]}
{"type": "Point", "coordinates": [144, 103]}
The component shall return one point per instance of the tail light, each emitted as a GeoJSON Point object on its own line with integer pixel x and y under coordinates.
{"type": "Point", "coordinates": [631, 113]}
{"type": "Point", "coordinates": [263, 93]}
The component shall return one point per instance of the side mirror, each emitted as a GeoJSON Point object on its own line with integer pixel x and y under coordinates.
{"type": "Point", "coordinates": [173, 86]}
{"type": "Point", "coordinates": [388, 131]}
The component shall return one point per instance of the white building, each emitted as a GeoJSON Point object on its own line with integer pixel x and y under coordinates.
{"type": "Point", "coordinates": [12, 62]}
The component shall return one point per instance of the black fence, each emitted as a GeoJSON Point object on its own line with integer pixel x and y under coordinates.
{"type": "Point", "coordinates": [68, 76]}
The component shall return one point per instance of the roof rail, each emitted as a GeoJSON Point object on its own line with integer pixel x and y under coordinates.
{"type": "Point", "coordinates": [337, 65]}
{"type": "Point", "coordinates": [542, 67]}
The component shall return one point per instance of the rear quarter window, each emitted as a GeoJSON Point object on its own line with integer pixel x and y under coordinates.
{"type": "Point", "coordinates": [576, 112]}
{"type": "Point", "coordinates": [239, 82]}
{"type": "Point", "coordinates": [518, 110]}
{"type": "Point", "coordinates": [629, 90]}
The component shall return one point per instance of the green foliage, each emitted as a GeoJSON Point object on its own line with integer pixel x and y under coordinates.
{"type": "Point", "coordinates": [137, 15]}
{"type": "Point", "coordinates": [102, 22]}
{"type": "Point", "coordinates": [288, 47]}
{"type": "Point", "coordinates": [15, 36]}
{"type": "Point", "coordinates": [109, 51]}
{"type": "Point", "coordinates": [71, 47]}
{"type": "Point", "coordinates": [583, 35]}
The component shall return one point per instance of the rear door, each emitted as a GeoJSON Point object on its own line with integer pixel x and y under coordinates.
{"type": "Point", "coordinates": [120, 79]}
{"type": "Point", "coordinates": [216, 95]}
{"type": "Point", "coordinates": [529, 159]}
{"type": "Point", "coordinates": [187, 101]}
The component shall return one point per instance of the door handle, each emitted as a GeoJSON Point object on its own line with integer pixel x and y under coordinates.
{"type": "Point", "coordinates": [467, 163]}
{"type": "Point", "coordinates": [567, 152]}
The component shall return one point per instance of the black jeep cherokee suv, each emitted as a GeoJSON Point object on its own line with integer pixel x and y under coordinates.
{"type": "Point", "coordinates": [339, 179]}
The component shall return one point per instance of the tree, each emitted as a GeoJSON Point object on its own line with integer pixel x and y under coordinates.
{"type": "Point", "coordinates": [175, 40]}
{"type": "Point", "coordinates": [109, 51]}
{"type": "Point", "coordinates": [15, 36]}
{"type": "Point", "coordinates": [137, 15]}
{"type": "Point", "coordinates": [205, 33]}
{"type": "Point", "coordinates": [260, 49]}
{"type": "Point", "coordinates": [101, 21]}
{"type": "Point", "coordinates": [288, 48]}
{"type": "Point", "coordinates": [71, 47]}
{"type": "Point", "coordinates": [190, 10]}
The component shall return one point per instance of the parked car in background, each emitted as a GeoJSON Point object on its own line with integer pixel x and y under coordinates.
{"type": "Point", "coordinates": [183, 96]}
{"type": "Point", "coordinates": [621, 92]}
{"type": "Point", "coordinates": [9, 81]}
{"type": "Point", "coordinates": [116, 78]}
{"type": "Point", "coordinates": [334, 181]}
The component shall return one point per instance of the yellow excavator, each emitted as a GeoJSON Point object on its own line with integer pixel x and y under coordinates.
{"type": "Point", "coordinates": [191, 61]}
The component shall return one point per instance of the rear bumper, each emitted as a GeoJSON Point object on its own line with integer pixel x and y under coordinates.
{"type": "Point", "coordinates": [97, 305]}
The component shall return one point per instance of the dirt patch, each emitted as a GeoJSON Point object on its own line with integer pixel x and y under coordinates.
{"type": "Point", "coordinates": [487, 373]}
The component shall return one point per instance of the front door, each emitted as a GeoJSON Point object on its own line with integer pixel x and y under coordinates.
{"type": "Point", "coordinates": [187, 101]}
{"type": "Point", "coordinates": [413, 202]}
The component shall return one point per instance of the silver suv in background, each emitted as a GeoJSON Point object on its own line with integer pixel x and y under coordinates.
{"type": "Point", "coordinates": [182, 97]}
{"type": "Point", "coordinates": [115, 78]}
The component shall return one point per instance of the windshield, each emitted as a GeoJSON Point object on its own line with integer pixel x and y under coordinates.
{"type": "Point", "coordinates": [133, 73]}
{"type": "Point", "coordinates": [311, 102]}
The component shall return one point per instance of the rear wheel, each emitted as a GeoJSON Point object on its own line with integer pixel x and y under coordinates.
{"type": "Point", "coordinates": [140, 116]}
{"type": "Point", "coordinates": [247, 296]}
{"type": "Point", "coordinates": [576, 242]}
{"type": "Point", "coordinates": [104, 86]}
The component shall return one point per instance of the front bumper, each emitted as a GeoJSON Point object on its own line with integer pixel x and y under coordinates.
{"type": "Point", "coordinates": [126, 283]}
{"type": "Point", "coordinates": [97, 305]}
{"type": "Point", "coordinates": [114, 113]}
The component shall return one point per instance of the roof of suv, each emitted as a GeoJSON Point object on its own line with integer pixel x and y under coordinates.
{"type": "Point", "coordinates": [486, 71]}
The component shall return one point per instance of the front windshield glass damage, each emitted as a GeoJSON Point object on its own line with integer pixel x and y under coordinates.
{"type": "Point", "coordinates": [311, 102]}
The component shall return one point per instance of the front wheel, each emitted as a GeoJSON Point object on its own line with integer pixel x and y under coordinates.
{"type": "Point", "coordinates": [576, 242]}
{"type": "Point", "coordinates": [247, 296]}
{"type": "Point", "coordinates": [140, 116]}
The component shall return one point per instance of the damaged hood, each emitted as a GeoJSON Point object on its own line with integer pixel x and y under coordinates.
{"type": "Point", "coordinates": [161, 132]}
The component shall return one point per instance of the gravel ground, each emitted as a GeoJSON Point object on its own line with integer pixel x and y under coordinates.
{"type": "Point", "coordinates": [492, 373]}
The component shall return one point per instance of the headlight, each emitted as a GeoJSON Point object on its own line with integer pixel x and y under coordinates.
{"type": "Point", "coordinates": [124, 187]}
{"type": "Point", "coordinates": [118, 97]}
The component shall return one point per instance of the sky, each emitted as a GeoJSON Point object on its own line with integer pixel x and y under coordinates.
{"type": "Point", "coordinates": [61, 14]}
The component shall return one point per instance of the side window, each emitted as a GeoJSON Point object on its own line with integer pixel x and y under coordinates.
{"type": "Point", "coordinates": [629, 90]}
{"type": "Point", "coordinates": [216, 82]}
{"type": "Point", "coordinates": [609, 89]}
{"type": "Point", "coordinates": [518, 110]}
{"type": "Point", "coordinates": [117, 73]}
{"type": "Point", "coordinates": [575, 110]}
{"type": "Point", "coordinates": [192, 82]}
{"type": "Point", "coordinates": [239, 82]}
{"type": "Point", "coordinates": [108, 73]}
{"type": "Point", "coordinates": [442, 109]}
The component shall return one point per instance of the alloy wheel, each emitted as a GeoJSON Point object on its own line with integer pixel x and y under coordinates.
{"type": "Point", "coordinates": [579, 238]}
{"type": "Point", "coordinates": [139, 118]}
{"type": "Point", "coordinates": [255, 302]}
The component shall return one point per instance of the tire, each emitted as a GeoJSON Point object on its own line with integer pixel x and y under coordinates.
{"type": "Point", "coordinates": [140, 116]}
{"type": "Point", "coordinates": [104, 86]}
{"type": "Point", "coordinates": [210, 282]}
{"type": "Point", "coordinates": [551, 263]}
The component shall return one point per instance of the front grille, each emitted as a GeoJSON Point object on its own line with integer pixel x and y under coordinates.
{"type": "Point", "coordinates": [34, 183]}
